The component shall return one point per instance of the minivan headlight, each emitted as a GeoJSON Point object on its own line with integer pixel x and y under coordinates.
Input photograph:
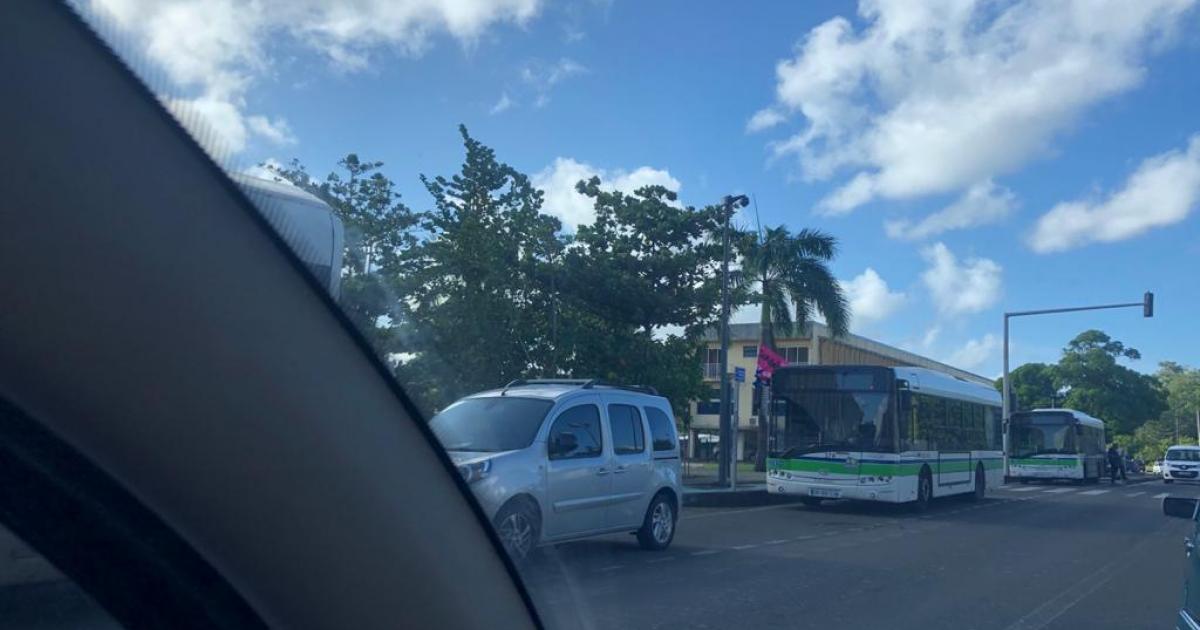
{"type": "Point", "coordinates": [475, 471]}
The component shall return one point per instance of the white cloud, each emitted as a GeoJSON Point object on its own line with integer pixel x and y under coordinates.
{"type": "Point", "coordinates": [934, 97]}
{"type": "Point", "coordinates": [502, 105]}
{"type": "Point", "coordinates": [870, 298]}
{"type": "Point", "coordinates": [542, 77]}
{"type": "Point", "coordinates": [979, 205]}
{"type": "Point", "coordinates": [1163, 190]}
{"type": "Point", "coordinates": [764, 119]}
{"type": "Point", "coordinates": [960, 289]}
{"type": "Point", "coordinates": [263, 170]}
{"type": "Point", "coordinates": [276, 131]}
{"type": "Point", "coordinates": [563, 201]}
{"type": "Point", "coordinates": [213, 51]}
{"type": "Point", "coordinates": [974, 353]}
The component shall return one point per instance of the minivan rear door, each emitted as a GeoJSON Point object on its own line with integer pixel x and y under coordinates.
{"type": "Point", "coordinates": [633, 470]}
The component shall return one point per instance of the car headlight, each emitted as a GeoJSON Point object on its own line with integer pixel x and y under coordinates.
{"type": "Point", "coordinates": [475, 471]}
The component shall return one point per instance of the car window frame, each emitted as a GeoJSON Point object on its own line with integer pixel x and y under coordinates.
{"type": "Point", "coordinates": [639, 424]}
{"type": "Point", "coordinates": [566, 408]}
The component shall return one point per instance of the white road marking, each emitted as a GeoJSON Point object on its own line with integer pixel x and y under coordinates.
{"type": "Point", "coordinates": [687, 517]}
{"type": "Point", "coordinates": [1161, 496]}
{"type": "Point", "coordinates": [612, 567]}
{"type": "Point", "coordinates": [743, 547]}
{"type": "Point", "coordinates": [706, 552]}
{"type": "Point", "coordinates": [658, 560]}
{"type": "Point", "coordinates": [1134, 494]}
{"type": "Point", "coordinates": [1092, 493]}
{"type": "Point", "coordinates": [779, 541]}
{"type": "Point", "coordinates": [1054, 607]}
{"type": "Point", "coordinates": [1061, 490]}
{"type": "Point", "coordinates": [1026, 489]}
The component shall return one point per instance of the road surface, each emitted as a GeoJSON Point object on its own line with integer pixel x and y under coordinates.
{"type": "Point", "coordinates": [1025, 558]}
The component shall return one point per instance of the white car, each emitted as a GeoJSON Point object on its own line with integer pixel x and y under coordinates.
{"type": "Point", "coordinates": [1182, 462]}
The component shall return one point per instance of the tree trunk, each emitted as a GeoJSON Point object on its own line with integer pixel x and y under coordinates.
{"type": "Point", "coordinates": [767, 339]}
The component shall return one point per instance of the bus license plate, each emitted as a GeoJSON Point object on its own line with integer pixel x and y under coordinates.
{"type": "Point", "coordinates": [825, 494]}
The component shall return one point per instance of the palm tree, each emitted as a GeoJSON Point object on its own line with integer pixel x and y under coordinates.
{"type": "Point", "coordinates": [788, 275]}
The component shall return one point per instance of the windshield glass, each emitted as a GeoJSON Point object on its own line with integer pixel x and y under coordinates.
{"type": "Point", "coordinates": [1183, 455]}
{"type": "Point", "coordinates": [850, 418]}
{"type": "Point", "coordinates": [799, 225]}
{"type": "Point", "coordinates": [491, 424]}
{"type": "Point", "coordinates": [1042, 438]}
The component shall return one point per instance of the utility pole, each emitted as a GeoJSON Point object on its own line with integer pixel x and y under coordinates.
{"type": "Point", "coordinates": [728, 439]}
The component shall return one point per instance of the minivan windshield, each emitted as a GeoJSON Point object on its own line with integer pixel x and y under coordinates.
{"type": "Point", "coordinates": [1183, 455]}
{"type": "Point", "coordinates": [493, 424]}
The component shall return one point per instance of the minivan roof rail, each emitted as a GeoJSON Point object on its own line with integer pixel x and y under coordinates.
{"type": "Point", "coordinates": [583, 383]}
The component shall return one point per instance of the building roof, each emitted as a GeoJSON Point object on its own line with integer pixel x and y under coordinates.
{"type": "Point", "coordinates": [753, 332]}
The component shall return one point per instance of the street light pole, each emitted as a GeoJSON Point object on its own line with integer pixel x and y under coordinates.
{"type": "Point", "coordinates": [1147, 305]}
{"type": "Point", "coordinates": [728, 438]}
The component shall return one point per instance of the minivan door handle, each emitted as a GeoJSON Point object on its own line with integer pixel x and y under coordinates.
{"type": "Point", "coordinates": [601, 471]}
{"type": "Point", "coordinates": [620, 469]}
{"type": "Point", "coordinates": [1189, 546]}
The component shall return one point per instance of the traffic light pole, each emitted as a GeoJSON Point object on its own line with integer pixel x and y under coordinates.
{"type": "Point", "coordinates": [1147, 305]}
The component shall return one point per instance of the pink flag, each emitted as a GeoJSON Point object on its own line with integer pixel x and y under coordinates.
{"type": "Point", "coordinates": [768, 361]}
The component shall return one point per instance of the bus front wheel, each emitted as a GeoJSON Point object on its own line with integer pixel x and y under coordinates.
{"type": "Point", "coordinates": [811, 502]}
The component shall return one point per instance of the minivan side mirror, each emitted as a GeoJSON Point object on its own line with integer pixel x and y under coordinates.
{"type": "Point", "coordinates": [562, 444]}
{"type": "Point", "coordinates": [1179, 507]}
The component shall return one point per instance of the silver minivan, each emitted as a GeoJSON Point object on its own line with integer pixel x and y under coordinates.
{"type": "Point", "coordinates": [557, 460]}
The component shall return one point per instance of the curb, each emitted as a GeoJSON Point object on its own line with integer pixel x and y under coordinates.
{"type": "Point", "coordinates": [734, 498]}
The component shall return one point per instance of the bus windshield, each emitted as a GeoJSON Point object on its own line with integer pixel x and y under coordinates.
{"type": "Point", "coordinates": [1042, 434]}
{"type": "Point", "coordinates": [848, 413]}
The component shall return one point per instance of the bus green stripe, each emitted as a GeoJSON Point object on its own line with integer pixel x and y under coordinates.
{"type": "Point", "coordinates": [877, 469]}
{"type": "Point", "coordinates": [1057, 462]}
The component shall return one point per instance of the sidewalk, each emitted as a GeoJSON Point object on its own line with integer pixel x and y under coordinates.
{"type": "Point", "coordinates": [700, 487]}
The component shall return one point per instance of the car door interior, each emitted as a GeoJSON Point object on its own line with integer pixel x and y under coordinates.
{"type": "Point", "coordinates": [159, 331]}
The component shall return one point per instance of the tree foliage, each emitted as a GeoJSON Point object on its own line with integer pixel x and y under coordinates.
{"type": "Point", "coordinates": [787, 273]}
{"type": "Point", "coordinates": [1095, 383]}
{"type": "Point", "coordinates": [1034, 385]}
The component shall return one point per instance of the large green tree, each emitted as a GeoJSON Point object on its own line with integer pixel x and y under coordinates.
{"type": "Point", "coordinates": [637, 288]}
{"type": "Point", "coordinates": [788, 276]}
{"type": "Point", "coordinates": [477, 294]}
{"type": "Point", "coordinates": [1033, 386]}
{"type": "Point", "coordinates": [1097, 384]}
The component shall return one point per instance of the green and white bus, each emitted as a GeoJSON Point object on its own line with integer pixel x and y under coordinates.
{"type": "Point", "coordinates": [890, 434]}
{"type": "Point", "coordinates": [1052, 444]}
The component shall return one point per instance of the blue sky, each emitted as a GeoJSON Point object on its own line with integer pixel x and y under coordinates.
{"type": "Point", "coordinates": [971, 157]}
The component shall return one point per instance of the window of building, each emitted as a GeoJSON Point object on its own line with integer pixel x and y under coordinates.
{"type": "Point", "coordinates": [795, 355]}
{"type": "Point", "coordinates": [712, 406]}
{"type": "Point", "coordinates": [625, 424]}
{"type": "Point", "coordinates": [749, 352]}
{"type": "Point", "coordinates": [584, 422]}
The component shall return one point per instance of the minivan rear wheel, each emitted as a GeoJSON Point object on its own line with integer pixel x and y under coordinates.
{"type": "Point", "coordinates": [519, 527]}
{"type": "Point", "coordinates": [658, 527]}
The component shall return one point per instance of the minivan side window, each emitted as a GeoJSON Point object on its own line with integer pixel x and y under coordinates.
{"type": "Point", "coordinates": [626, 425]}
{"type": "Point", "coordinates": [584, 422]}
{"type": "Point", "coordinates": [662, 429]}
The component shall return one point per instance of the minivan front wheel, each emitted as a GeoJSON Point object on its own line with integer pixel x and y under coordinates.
{"type": "Point", "coordinates": [658, 527]}
{"type": "Point", "coordinates": [519, 528]}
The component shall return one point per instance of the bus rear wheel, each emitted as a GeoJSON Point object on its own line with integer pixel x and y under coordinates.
{"type": "Point", "coordinates": [924, 490]}
{"type": "Point", "coordinates": [980, 484]}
